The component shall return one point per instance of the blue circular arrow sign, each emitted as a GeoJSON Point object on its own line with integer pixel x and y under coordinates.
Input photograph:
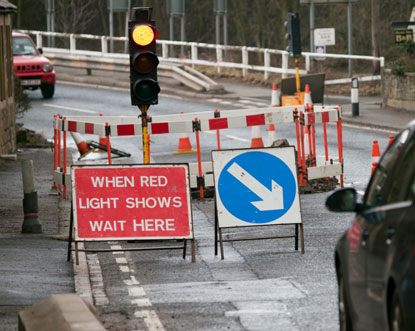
{"type": "Point", "coordinates": [257, 187]}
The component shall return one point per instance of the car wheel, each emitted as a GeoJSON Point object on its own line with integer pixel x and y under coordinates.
{"type": "Point", "coordinates": [395, 314]}
{"type": "Point", "coordinates": [344, 312]}
{"type": "Point", "coordinates": [48, 90]}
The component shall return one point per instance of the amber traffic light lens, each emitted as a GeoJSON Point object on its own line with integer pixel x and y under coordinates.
{"type": "Point", "coordinates": [143, 35]}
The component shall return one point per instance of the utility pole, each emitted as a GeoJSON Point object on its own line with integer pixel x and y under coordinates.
{"type": "Point", "coordinates": [220, 9]}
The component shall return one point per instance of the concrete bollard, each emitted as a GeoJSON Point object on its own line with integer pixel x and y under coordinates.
{"type": "Point", "coordinates": [31, 223]}
{"type": "Point", "coordinates": [355, 97]}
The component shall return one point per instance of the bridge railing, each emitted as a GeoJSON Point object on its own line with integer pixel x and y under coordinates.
{"type": "Point", "coordinates": [194, 49]}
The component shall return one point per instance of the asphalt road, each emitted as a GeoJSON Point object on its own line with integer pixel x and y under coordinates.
{"type": "Point", "coordinates": [261, 285]}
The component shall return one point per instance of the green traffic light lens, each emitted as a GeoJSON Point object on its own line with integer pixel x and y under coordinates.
{"type": "Point", "coordinates": [145, 62]}
{"type": "Point", "coordinates": [146, 90]}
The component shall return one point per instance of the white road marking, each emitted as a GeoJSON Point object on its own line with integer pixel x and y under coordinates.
{"type": "Point", "coordinates": [236, 138]}
{"type": "Point", "coordinates": [141, 302]}
{"type": "Point", "coordinates": [150, 319]}
{"type": "Point", "coordinates": [131, 281]}
{"type": "Point", "coordinates": [121, 260]}
{"type": "Point", "coordinates": [70, 108]}
{"type": "Point", "coordinates": [116, 247]}
{"type": "Point", "coordinates": [124, 268]}
{"type": "Point", "coordinates": [136, 291]}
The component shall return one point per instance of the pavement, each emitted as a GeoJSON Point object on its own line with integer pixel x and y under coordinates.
{"type": "Point", "coordinates": [33, 266]}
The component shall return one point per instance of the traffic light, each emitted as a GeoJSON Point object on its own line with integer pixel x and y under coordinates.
{"type": "Point", "coordinates": [293, 35]}
{"type": "Point", "coordinates": [142, 36]}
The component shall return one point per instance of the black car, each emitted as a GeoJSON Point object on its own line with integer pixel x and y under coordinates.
{"type": "Point", "coordinates": [375, 258]}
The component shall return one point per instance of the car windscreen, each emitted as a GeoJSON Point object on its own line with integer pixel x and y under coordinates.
{"type": "Point", "coordinates": [23, 46]}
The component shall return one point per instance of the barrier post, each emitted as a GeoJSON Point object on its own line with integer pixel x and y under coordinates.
{"type": "Point", "coordinates": [314, 161]}
{"type": "Point", "coordinates": [59, 155]}
{"type": "Point", "coordinates": [297, 133]}
{"type": "Point", "coordinates": [340, 144]}
{"type": "Point", "coordinates": [107, 138]}
{"type": "Point", "coordinates": [55, 150]}
{"type": "Point", "coordinates": [216, 115]}
{"type": "Point", "coordinates": [326, 150]}
{"type": "Point", "coordinates": [304, 166]}
{"type": "Point", "coordinates": [64, 161]}
{"type": "Point", "coordinates": [196, 128]}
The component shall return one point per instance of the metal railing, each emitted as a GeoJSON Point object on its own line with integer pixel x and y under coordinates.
{"type": "Point", "coordinates": [193, 59]}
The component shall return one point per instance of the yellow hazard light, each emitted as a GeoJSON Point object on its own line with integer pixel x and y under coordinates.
{"type": "Point", "coordinates": [143, 35]}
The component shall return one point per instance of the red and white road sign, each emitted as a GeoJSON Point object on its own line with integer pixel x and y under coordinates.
{"type": "Point", "coordinates": [131, 202]}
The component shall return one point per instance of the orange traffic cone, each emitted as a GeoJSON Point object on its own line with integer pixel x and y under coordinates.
{"type": "Point", "coordinates": [272, 136]}
{"type": "Point", "coordinates": [375, 155]}
{"type": "Point", "coordinates": [185, 147]}
{"type": "Point", "coordinates": [307, 96]}
{"type": "Point", "coordinates": [81, 143]}
{"type": "Point", "coordinates": [275, 96]}
{"type": "Point", "coordinates": [390, 140]}
{"type": "Point", "coordinates": [256, 138]}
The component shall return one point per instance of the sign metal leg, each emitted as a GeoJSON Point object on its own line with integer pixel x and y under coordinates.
{"type": "Point", "coordinates": [302, 238]}
{"type": "Point", "coordinates": [76, 253]}
{"type": "Point", "coordinates": [296, 238]}
{"type": "Point", "coordinates": [184, 248]}
{"type": "Point", "coordinates": [221, 244]}
{"type": "Point", "coordinates": [216, 230]}
{"type": "Point", "coordinates": [193, 250]}
{"type": "Point", "coordinates": [70, 235]}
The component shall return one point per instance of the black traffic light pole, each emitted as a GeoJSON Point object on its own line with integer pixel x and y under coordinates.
{"type": "Point", "coordinates": [293, 37]}
{"type": "Point", "coordinates": [144, 87]}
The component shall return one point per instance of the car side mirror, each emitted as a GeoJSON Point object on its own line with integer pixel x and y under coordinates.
{"type": "Point", "coordinates": [343, 200]}
{"type": "Point", "coordinates": [40, 49]}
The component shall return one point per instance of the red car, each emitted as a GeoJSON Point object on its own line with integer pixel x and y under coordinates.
{"type": "Point", "coordinates": [33, 69]}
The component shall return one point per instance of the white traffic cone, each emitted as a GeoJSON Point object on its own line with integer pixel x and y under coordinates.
{"type": "Point", "coordinates": [272, 135]}
{"type": "Point", "coordinates": [81, 143]}
{"type": "Point", "coordinates": [307, 96]}
{"type": "Point", "coordinates": [275, 96]}
{"type": "Point", "coordinates": [256, 137]}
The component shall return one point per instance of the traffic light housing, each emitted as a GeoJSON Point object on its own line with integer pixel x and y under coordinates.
{"type": "Point", "coordinates": [293, 35]}
{"type": "Point", "coordinates": [142, 35]}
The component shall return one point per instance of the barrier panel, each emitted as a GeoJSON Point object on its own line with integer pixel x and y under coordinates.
{"type": "Point", "coordinates": [131, 202]}
{"type": "Point", "coordinates": [305, 119]}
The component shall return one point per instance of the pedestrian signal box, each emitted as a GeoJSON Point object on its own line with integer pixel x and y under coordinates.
{"type": "Point", "coordinates": [142, 36]}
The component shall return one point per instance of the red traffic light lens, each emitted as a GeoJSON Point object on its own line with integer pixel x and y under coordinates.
{"type": "Point", "coordinates": [146, 90]}
{"type": "Point", "coordinates": [145, 62]}
{"type": "Point", "coordinates": [143, 34]}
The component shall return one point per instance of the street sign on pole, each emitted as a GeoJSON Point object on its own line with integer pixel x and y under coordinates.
{"type": "Point", "coordinates": [256, 187]}
{"type": "Point", "coordinates": [320, 49]}
{"type": "Point", "coordinates": [402, 36]}
{"type": "Point", "coordinates": [325, 37]}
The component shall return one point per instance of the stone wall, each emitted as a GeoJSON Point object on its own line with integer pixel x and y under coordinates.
{"type": "Point", "coordinates": [7, 106]}
{"type": "Point", "coordinates": [399, 90]}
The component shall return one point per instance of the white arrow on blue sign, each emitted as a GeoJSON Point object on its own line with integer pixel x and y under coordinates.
{"type": "Point", "coordinates": [256, 187]}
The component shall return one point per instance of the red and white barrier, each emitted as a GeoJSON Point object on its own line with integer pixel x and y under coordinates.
{"type": "Point", "coordinates": [310, 166]}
